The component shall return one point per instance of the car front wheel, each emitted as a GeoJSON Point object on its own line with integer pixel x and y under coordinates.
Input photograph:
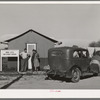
{"type": "Point", "coordinates": [75, 75]}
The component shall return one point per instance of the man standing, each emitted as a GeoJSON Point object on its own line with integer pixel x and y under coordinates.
{"type": "Point", "coordinates": [25, 57]}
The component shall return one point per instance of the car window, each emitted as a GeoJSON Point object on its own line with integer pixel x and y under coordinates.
{"type": "Point", "coordinates": [80, 54]}
{"type": "Point", "coordinates": [84, 54]}
{"type": "Point", "coordinates": [77, 54]}
{"type": "Point", "coordinates": [56, 53]}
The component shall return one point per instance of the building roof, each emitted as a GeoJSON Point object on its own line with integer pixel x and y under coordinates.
{"type": "Point", "coordinates": [55, 41]}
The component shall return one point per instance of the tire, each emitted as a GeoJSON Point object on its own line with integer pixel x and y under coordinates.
{"type": "Point", "coordinates": [76, 73]}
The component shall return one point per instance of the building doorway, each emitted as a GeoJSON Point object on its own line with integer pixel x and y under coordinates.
{"type": "Point", "coordinates": [30, 47]}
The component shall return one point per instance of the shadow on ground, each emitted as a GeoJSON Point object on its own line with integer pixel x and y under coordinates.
{"type": "Point", "coordinates": [86, 77]}
{"type": "Point", "coordinates": [62, 79]}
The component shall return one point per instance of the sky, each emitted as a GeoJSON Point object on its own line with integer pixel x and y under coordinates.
{"type": "Point", "coordinates": [73, 24]}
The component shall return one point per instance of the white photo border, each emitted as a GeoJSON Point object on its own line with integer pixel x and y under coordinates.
{"type": "Point", "coordinates": [49, 93]}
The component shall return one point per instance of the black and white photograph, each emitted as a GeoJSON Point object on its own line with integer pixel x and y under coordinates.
{"type": "Point", "coordinates": [49, 46]}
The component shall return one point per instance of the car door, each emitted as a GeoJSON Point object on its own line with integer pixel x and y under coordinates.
{"type": "Point", "coordinates": [85, 60]}
{"type": "Point", "coordinates": [77, 60]}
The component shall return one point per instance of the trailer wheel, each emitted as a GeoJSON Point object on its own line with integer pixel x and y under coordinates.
{"type": "Point", "coordinates": [75, 75]}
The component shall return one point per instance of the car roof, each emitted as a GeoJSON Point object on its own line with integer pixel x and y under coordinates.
{"type": "Point", "coordinates": [65, 47]}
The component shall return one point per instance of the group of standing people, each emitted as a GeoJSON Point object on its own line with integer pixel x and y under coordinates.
{"type": "Point", "coordinates": [33, 59]}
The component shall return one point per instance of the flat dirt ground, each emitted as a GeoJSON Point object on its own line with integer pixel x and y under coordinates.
{"type": "Point", "coordinates": [39, 82]}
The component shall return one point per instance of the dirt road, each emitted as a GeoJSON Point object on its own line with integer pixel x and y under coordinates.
{"type": "Point", "coordinates": [39, 82]}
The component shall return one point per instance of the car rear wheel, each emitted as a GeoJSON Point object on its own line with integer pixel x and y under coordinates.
{"type": "Point", "coordinates": [75, 75]}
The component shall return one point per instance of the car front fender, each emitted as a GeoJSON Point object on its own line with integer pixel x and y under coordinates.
{"type": "Point", "coordinates": [95, 66]}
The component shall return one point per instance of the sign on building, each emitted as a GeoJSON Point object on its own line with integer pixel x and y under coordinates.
{"type": "Point", "coordinates": [9, 60]}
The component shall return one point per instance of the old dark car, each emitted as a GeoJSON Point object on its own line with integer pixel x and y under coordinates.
{"type": "Point", "coordinates": [68, 62]}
